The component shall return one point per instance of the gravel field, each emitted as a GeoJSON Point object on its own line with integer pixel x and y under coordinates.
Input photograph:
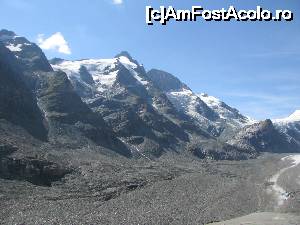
{"type": "Point", "coordinates": [169, 191]}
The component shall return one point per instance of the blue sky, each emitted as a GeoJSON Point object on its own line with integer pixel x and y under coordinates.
{"type": "Point", "coordinates": [253, 66]}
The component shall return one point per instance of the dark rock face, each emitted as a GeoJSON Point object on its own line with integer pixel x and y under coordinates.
{"type": "Point", "coordinates": [236, 113]}
{"type": "Point", "coordinates": [57, 95]}
{"type": "Point", "coordinates": [168, 83]}
{"type": "Point", "coordinates": [29, 55]}
{"type": "Point", "coordinates": [67, 113]}
{"type": "Point", "coordinates": [82, 90]}
{"type": "Point", "coordinates": [85, 75]}
{"type": "Point", "coordinates": [204, 110]}
{"type": "Point", "coordinates": [165, 81]}
{"type": "Point", "coordinates": [129, 116]}
{"type": "Point", "coordinates": [17, 104]}
{"type": "Point", "coordinates": [291, 131]}
{"type": "Point", "coordinates": [44, 102]}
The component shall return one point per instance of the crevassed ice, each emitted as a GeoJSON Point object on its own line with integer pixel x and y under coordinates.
{"type": "Point", "coordinates": [107, 80]}
{"type": "Point", "coordinates": [185, 100]}
{"type": "Point", "coordinates": [96, 67]}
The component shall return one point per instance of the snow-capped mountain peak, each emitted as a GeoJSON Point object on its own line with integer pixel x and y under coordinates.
{"type": "Point", "coordinates": [133, 67]}
{"type": "Point", "coordinates": [210, 100]}
{"type": "Point", "coordinates": [186, 101]}
{"type": "Point", "coordinates": [27, 53]}
{"type": "Point", "coordinates": [125, 54]}
{"type": "Point", "coordinates": [290, 126]}
{"type": "Point", "coordinates": [126, 61]}
{"type": "Point", "coordinates": [207, 111]}
{"type": "Point", "coordinates": [12, 41]}
{"type": "Point", "coordinates": [294, 117]}
{"type": "Point", "coordinates": [105, 73]}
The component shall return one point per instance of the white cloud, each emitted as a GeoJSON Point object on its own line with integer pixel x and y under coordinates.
{"type": "Point", "coordinates": [117, 2]}
{"type": "Point", "coordinates": [55, 42]}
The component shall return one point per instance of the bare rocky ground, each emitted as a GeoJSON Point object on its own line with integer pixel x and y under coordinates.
{"type": "Point", "coordinates": [105, 189]}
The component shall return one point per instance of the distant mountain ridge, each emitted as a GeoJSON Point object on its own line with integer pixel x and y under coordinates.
{"type": "Point", "coordinates": [294, 117]}
{"type": "Point", "coordinates": [118, 105]}
{"type": "Point", "coordinates": [208, 113]}
{"type": "Point", "coordinates": [290, 126]}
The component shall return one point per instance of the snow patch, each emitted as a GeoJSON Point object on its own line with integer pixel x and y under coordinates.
{"type": "Point", "coordinates": [155, 106]}
{"type": "Point", "coordinates": [14, 48]}
{"type": "Point", "coordinates": [139, 79]}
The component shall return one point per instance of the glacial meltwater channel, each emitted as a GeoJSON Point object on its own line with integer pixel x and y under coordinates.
{"type": "Point", "coordinates": [281, 194]}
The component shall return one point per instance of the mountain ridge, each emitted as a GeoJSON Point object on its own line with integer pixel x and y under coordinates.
{"type": "Point", "coordinates": [150, 113]}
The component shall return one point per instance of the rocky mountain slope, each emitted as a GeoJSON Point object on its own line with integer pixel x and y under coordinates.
{"type": "Point", "coordinates": [231, 115]}
{"type": "Point", "coordinates": [219, 119]}
{"type": "Point", "coordinates": [116, 104]}
{"type": "Point", "coordinates": [17, 104]}
{"type": "Point", "coordinates": [120, 90]}
{"type": "Point", "coordinates": [64, 114]}
{"type": "Point", "coordinates": [279, 135]}
{"type": "Point", "coordinates": [290, 126]}
{"type": "Point", "coordinates": [219, 124]}
{"type": "Point", "coordinates": [264, 137]}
